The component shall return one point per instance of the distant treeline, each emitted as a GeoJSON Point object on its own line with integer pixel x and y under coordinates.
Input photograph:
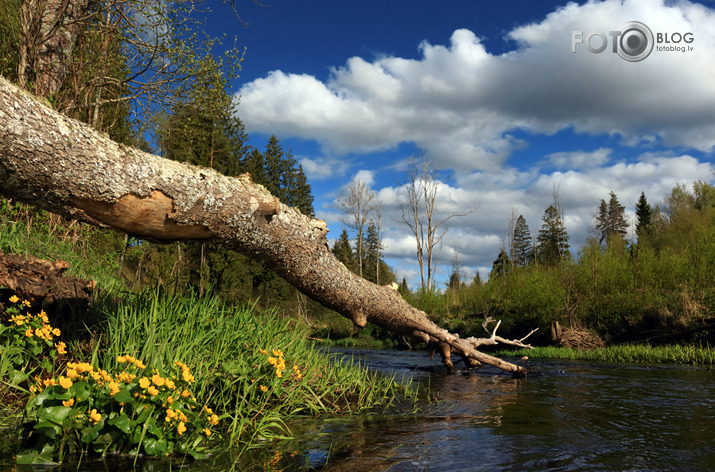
{"type": "Point", "coordinates": [661, 282]}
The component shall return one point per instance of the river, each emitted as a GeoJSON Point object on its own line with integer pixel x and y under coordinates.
{"type": "Point", "coordinates": [572, 416]}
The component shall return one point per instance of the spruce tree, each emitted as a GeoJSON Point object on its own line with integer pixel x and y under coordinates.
{"type": "Point", "coordinates": [644, 214]}
{"type": "Point", "coordinates": [500, 266]}
{"type": "Point", "coordinates": [553, 239]}
{"type": "Point", "coordinates": [523, 254]}
{"type": "Point", "coordinates": [344, 252]}
{"type": "Point", "coordinates": [611, 219]}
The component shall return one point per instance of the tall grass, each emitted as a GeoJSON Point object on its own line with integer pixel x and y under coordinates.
{"type": "Point", "coordinates": [628, 353]}
{"type": "Point", "coordinates": [227, 350]}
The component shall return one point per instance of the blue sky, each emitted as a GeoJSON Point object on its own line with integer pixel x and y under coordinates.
{"type": "Point", "coordinates": [493, 95]}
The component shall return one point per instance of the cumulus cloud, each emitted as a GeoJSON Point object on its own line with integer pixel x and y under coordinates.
{"type": "Point", "coordinates": [578, 159]}
{"type": "Point", "coordinates": [460, 102]}
{"type": "Point", "coordinates": [478, 236]}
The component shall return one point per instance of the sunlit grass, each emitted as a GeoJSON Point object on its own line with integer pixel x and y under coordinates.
{"type": "Point", "coordinates": [229, 351]}
{"type": "Point", "coordinates": [627, 353]}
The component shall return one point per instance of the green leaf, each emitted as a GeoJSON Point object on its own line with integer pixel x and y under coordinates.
{"type": "Point", "coordinates": [124, 396]}
{"type": "Point", "coordinates": [47, 429]}
{"type": "Point", "coordinates": [155, 447]}
{"type": "Point", "coordinates": [54, 414]}
{"type": "Point", "coordinates": [90, 434]}
{"type": "Point", "coordinates": [122, 422]}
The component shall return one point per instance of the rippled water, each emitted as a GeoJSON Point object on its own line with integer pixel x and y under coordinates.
{"type": "Point", "coordinates": [573, 416]}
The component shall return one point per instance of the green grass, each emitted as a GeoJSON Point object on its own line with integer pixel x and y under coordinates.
{"type": "Point", "coordinates": [222, 346]}
{"type": "Point", "coordinates": [626, 353]}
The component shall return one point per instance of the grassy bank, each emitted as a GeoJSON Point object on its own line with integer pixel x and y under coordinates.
{"type": "Point", "coordinates": [166, 373]}
{"type": "Point", "coordinates": [627, 353]}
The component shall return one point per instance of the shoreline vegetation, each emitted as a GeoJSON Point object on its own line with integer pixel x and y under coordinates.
{"type": "Point", "coordinates": [677, 354]}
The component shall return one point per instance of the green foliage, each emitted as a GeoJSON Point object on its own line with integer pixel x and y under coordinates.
{"type": "Point", "coordinates": [523, 244]}
{"type": "Point", "coordinates": [611, 220]}
{"type": "Point", "coordinates": [553, 244]}
{"type": "Point", "coordinates": [626, 353]}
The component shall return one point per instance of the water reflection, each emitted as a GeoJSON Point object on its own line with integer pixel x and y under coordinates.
{"type": "Point", "coordinates": [572, 417]}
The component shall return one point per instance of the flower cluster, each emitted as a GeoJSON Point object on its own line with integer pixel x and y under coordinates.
{"type": "Point", "coordinates": [28, 333]}
{"type": "Point", "coordinates": [124, 404]}
{"type": "Point", "coordinates": [277, 362]}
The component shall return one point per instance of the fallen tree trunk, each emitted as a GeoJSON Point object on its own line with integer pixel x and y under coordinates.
{"type": "Point", "coordinates": [61, 165]}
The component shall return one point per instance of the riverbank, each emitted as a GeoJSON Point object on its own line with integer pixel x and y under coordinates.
{"type": "Point", "coordinates": [163, 373]}
{"type": "Point", "coordinates": [626, 353]}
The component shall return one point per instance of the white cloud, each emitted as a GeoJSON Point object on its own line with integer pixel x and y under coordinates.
{"type": "Point", "coordinates": [459, 102]}
{"type": "Point", "coordinates": [578, 159]}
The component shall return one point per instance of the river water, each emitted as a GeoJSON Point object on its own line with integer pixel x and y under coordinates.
{"type": "Point", "coordinates": [571, 416]}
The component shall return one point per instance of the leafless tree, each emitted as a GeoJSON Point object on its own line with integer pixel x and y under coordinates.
{"type": "Point", "coordinates": [418, 213]}
{"type": "Point", "coordinates": [357, 208]}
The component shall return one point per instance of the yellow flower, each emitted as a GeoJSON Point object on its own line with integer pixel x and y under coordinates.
{"type": "Point", "coordinates": [28, 333]}
{"type": "Point", "coordinates": [278, 353]}
{"type": "Point", "coordinates": [272, 360]}
{"type": "Point", "coordinates": [170, 384]}
{"type": "Point", "coordinates": [263, 351]}
{"type": "Point", "coordinates": [208, 410]}
{"type": "Point", "coordinates": [170, 400]}
{"type": "Point", "coordinates": [152, 391]}
{"type": "Point", "coordinates": [14, 299]}
{"type": "Point", "coordinates": [263, 388]}
{"type": "Point", "coordinates": [94, 416]}
{"type": "Point", "coordinates": [144, 382]}
{"type": "Point", "coordinates": [140, 364]}
{"type": "Point", "coordinates": [158, 380]}
{"type": "Point", "coordinates": [122, 359]}
{"type": "Point", "coordinates": [185, 393]}
{"type": "Point", "coordinates": [69, 402]}
{"type": "Point", "coordinates": [65, 382]}
{"type": "Point", "coordinates": [61, 348]}
{"type": "Point", "coordinates": [186, 375]}
{"type": "Point", "coordinates": [71, 373]}
{"type": "Point", "coordinates": [56, 332]}
{"type": "Point", "coordinates": [170, 414]}
{"type": "Point", "coordinates": [207, 432]}
{"type": "Point", "coordinates": [214, 419]}
{"type": "Point", "coordinates": [26, 303]}
{"type": "Point", "coordinates": [113, 388]}
{"type": "Point", "coordinates": [181, 428]}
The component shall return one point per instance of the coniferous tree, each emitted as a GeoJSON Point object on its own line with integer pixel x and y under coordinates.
{"type": "Point", "coordinates": [500, 266]}
{"type": "Point", "coordinates": [644, 214]}
{"type": "Point", "coordinates": [343, 251]}
{"type": "Point", "coordinates": [611, 219]}
{"type": "Point", "coordinates": [522, 243]}
{"type": "Point", "coordinates": [373, 253]}
{"type": "Point", "coordinates": [255, 165]}
{"type": "Point", "coordinates": [553, 239]}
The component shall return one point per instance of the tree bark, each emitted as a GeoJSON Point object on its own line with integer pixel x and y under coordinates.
{"type": "Point", "coordinates": [61, 165]}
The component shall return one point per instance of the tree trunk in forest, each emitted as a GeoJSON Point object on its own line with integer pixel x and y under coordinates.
{"type": "Point", "coordinates": [61, 165]}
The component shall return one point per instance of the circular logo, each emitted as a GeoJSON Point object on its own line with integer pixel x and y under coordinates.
{"type": "Point", "coordinates": [636, 41]}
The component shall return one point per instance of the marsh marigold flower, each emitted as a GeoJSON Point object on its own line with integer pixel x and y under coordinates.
{"type": "Point", "coordinates": [61, 348]}
{"type": "Point", "coordinates": [158, 380]}
{"type": "Point", "coordinates": [69, 402]}
{"type": "Point", "coordinates": [65, 382]}
{"type": "Point", "coordinates": [152, 391]}
{"type": "Point", "coordinates": [95, 416]}
{"type": "Point", "coordinates": [14, 299]}
{"type": "Point", "coordinates": [144, 382]}
{"type": "Point", "coordinates": [181, 429]}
